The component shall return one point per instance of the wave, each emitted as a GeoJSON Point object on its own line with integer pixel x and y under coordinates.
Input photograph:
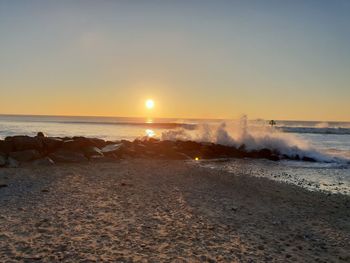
{"type": "Point", "coordinates": [161, 125]}
{"type": "Point", "coordinates": [252, 139]}
{"type": "Point", "coordinates": [315, 130]}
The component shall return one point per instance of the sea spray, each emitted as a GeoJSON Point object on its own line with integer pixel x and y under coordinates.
{"type": "Point", "coordinates": [252, 138]}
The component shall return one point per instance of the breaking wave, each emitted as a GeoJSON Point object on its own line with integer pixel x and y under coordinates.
{"type": "Point", "coordinates": [241, 134]}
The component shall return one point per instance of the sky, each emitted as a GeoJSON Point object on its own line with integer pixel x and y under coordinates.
{"type": "Point", "coordinates": [196, 59]}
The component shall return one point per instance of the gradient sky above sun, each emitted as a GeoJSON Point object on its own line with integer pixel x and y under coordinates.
{"type": "Point", "coordinates": [197, 59]}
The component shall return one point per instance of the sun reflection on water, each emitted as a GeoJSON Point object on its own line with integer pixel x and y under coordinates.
{"type": "Point", "coordinates": [150, 133]}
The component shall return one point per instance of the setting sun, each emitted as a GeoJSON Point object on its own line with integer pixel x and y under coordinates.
{"type": "Point", "coordinates": [149, 104]}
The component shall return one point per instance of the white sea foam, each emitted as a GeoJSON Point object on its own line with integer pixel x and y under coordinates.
{"type": "Point", "coordinates": [253, 137]}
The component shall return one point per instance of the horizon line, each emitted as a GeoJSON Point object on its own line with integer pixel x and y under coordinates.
{"type": "Point", "coordinates": [133, 117]}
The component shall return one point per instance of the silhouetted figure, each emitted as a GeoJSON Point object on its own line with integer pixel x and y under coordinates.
{"type": "Point", "coordinates": [272, 123]}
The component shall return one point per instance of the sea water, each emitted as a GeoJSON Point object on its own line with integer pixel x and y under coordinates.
{"type": "Point", "coordinates": [327, 142]}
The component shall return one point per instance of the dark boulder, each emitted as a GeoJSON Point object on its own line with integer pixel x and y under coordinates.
{"type": "Point", "coordinates": [189, 148]}
{"type": "Point", "coordinates": [79, 143]}
{"type": "Point", "coordinates": [99, 143]}
{"type": "Point", "coordinates": [25, 156]}
{"type": "Point", "coordinates": [153, 148]}
{"type": "Point", "coordinates": [173, 155]}
{"type": "Point", "coordinates": [51, 144]}
{"type": "Point", "coordinates": [67, 156]}
{"type": "Point", "coordinates": [2, 160]}
{"type": "Point", "coordinates": [40, 134]}
{"type": "Point", "coordinates": [72, 145]}
{"type": "Point", "coordinates": [308, 159]}
{"type": "Point", "coordinates": [102, 159]}
{"type": "Point", "coordinates": [6, 146]}
{"type": "Point", "coordinates": [12, 163]}
{"type": "Point", "coordinates": [46, 161]}
{"type": "Point", "coordinates": [22, 143]}
{"type": "Point", "coordinates": [91, 151]}
{"type": "Point", "coordinates": [265, 154]}
{"type": "Point", "coordinates": [124, 142]}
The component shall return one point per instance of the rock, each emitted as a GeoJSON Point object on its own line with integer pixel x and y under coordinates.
{"type": "Point", "coordinates": [79, 143]}
{"type": "Point", "coordinates": [71, 145]}
{"type": "Point", "coordinates": [68, 156]}
{"type": "Point", "coordinates": [2, 160]}
{"type": "Point", "coordinates": [103, 159]}
{"type": "Point", "coordinates": [91, 151]}
{"type": "Point", "coordinates": [6, 146]}
{"type": "Point", "coordinates": [99, 143]}
{"type": "Point", "coordinates": [173, 155]}
{"type": "Point", "coordinates": [51, 144]}
{"type": "Point", "coordinates": [264, 154]}
{"type": "Point", "coordinates": [25, 156]}
{"type": "Point", "coordinates": [3, 185]}
{"type": "Point", "coordinates": [190, 148]}
{"type": "Point", "coordinates": [46, 161]}
{"type": "Point", "coordinates": [234, 208]}
{"type": "Point", "coordinates": [308, 159]}
{"type": "Point", "coordinates": [22, 143]}
{"type": "Point", "coordinates": [261, 247]}
{"type": "Point", "coordinates": [12, 163]}
{"type": "Point", "coordinates": [111, 148]}
{"type": "Point", "coordinates": [40, 134]}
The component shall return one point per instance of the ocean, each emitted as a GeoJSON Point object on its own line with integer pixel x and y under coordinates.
{"type": "Point", "coordinates": [327, 142]}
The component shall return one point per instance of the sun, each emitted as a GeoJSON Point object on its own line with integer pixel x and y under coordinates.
{"type": "Point", "coordinates": [149, 104]}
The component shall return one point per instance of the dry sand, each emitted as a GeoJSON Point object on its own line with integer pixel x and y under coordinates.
{"type": "Point", "coordinates": [165, 211]}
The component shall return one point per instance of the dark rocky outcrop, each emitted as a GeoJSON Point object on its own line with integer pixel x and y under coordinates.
{"type": "Point", "coordinates": [46, 161]}
{"type": "Point", "coordinates": [6, 146]}
{"type": "Point", "coordinates": [2, 160]}
{"type": "Point", "coordinates": [22, 143]}
{"type": "Point", "coordinates": [11, 163]}
{"type": "Point", "coordinates": [45, 150]}
{"type": "Point", "coordinates": [40, 134]}
{"type": "Point", "coordinates": [92, 151]}
{"type": "Point", "coordinates": [68, 156]}
{"type": "Point", "coordinates": [51, 144]}
{"type": "Point", "coordinates": [25, 156]}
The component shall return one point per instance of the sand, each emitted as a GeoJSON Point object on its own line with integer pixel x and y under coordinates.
{"type": "Point", "coordinates": [165, 211]}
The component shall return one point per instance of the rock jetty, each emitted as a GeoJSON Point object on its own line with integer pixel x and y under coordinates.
{"type": "Point", "coordinates": [43, 150]}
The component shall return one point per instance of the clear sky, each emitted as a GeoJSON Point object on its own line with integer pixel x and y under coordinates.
{"type": "Point", "coordinates": [207, 59]}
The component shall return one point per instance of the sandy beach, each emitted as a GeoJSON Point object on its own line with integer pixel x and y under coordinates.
{"type": "Point", "coordinates": [165, 211]}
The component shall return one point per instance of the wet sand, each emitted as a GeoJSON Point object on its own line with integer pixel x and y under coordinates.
{"type": "Point", "coordinates": [165, 211]}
